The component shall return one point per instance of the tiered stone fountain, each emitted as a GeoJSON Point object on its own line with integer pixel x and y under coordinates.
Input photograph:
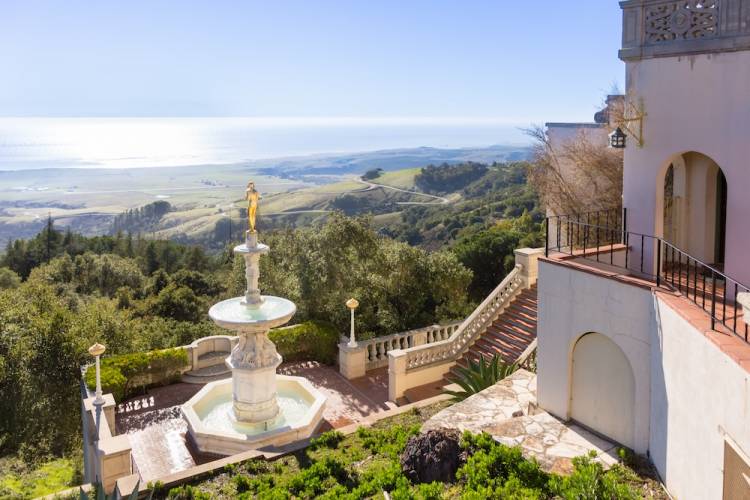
{"type": "Point", "coordinates": [256, 407]}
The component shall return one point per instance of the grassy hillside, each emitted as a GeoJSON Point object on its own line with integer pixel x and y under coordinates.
{"type": "Point", "coordinates": [403, 179]}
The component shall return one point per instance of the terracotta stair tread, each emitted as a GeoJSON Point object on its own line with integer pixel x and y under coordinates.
{"type": "Point", "coordinates": [507, 336]}
{"type": "Point", "coordinates": [510, 323]}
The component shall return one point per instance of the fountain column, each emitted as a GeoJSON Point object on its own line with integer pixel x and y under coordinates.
{"type": "Point", "coordinates": [254, 359]}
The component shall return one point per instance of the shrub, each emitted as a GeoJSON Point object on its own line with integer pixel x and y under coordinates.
{"type": "Point", "coordinates": [310, 341]}
{"type": "Point", "coordinates": [589, 481]}
{"type": "Point", "coordinates": [330, 439]}
{"type": "Point", "coordinates": [497, 471]}
{"type": "Point", "coordinates": [187, 492]}
{"type": "Point", "coordinates": [122, 375]}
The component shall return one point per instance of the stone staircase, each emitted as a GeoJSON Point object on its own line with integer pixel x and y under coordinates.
{"type": "Point", "coordinates": [508, 336]}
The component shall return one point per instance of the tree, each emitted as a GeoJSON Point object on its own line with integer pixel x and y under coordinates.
{"type": "Point", "coordinates": [8, 279]}
{"type": "Point", "coordinates": [489, 254]}
{"type": "Point", "coordinates": [152, 260]}
{"type": "Point", "coordinates": [399, 287]}
{"type": "Point", "coordinates": [580, 175]}
{"type": "Point", "coordinates": [177, 302]}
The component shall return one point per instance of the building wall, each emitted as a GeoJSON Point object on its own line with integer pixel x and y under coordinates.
{"type": "Point", "coordinates": [690, 397]}
{"type": "Point", "coordinates": [573, 303]}
{"type": "Point", "coordinates": [693, 103]}
{"type": "Point", "coordinates": [699, 397]}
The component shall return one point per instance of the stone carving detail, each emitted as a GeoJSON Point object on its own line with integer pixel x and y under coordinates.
{"type": "Point", "coordinates": [683, 20]}
{"type": "Point", "coordinates": [254, 351]}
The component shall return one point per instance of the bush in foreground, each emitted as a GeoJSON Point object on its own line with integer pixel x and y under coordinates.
{"type": "Point", "coordinates": [367, 463]}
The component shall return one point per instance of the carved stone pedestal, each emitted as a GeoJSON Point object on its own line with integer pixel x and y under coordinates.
{"type": "Point", "coordinates": [253, 363]}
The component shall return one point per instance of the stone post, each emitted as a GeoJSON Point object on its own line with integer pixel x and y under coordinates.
{"type": "Point", "coordinates": [352, 360]}
{"type": "Point", "coordinates": [420, 337]}
{"type": "Point", "coordinates": [527, 258]}
{"type": "Point", "coordinates": [396, 374]}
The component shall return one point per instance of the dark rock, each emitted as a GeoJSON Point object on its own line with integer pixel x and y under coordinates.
{"type": "Point", "coordinates": [433, 456]}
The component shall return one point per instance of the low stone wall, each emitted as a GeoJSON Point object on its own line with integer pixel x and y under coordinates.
{"type": "Point", "coordinates": [107, 455]}
{"type": "Point", "coordinates": [210, 351]}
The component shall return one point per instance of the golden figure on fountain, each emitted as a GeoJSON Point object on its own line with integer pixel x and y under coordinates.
{"type": "Point", "coordinates": [253, 197]}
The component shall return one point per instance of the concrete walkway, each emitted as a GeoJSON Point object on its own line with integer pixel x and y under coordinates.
{"type": "Point", "coordinates": [508, 412]}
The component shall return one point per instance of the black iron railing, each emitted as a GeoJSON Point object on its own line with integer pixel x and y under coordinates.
{"type": "Point", "coordinates": [586, 232]}
{"type": "Point", "coordinates": [649, 257]}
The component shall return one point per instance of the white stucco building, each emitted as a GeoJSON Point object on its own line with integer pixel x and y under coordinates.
{"type": "Point", "coordinates": [639, 335]}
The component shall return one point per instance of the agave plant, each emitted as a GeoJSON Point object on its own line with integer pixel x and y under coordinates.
{"type": "Point", "coordinates": [480, 375]}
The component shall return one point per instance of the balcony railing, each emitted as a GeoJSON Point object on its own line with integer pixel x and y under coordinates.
{"type": "Point", "coordinates": [653, 258]}
{"type": "Point", "coordinates": [659, 28]}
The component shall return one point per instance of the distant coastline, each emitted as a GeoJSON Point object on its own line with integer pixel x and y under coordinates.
{"type": "Point", "coordinates": [53, 143]}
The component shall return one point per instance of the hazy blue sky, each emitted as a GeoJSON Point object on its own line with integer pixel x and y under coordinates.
{"type": "Point", "coordinates": [532, 60]}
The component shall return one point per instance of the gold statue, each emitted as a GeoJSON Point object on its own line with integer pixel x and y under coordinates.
{"type": "Point", "coordinates": [252, 196]}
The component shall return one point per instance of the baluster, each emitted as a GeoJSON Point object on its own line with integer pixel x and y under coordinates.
{"type": "Point", "coordinates": [379, 351]}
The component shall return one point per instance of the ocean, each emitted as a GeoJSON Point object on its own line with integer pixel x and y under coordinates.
{"type": "Point", "coordinates": [35, 143]}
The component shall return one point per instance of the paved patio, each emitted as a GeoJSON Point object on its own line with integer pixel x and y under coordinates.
{"type": "Point", "coordinates": [157, 432]}
{"type": "Point", "coordinates": [508, 412]}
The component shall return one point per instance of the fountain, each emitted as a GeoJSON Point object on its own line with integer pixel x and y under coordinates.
{"type": "Point", "coordinates": [256, 407]}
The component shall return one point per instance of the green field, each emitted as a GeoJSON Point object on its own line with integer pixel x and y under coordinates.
{"type": "Point", "coordinates": [403, 179]}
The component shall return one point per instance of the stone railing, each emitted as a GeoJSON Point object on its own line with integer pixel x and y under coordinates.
{"type": "Point", "coordinates": [465, 335]}
{"type": "Point", "coordinates": [376, 355]}
{"type": "Point", "coordinates": [425, 364]}
{"type": "Point", "coordinates": [660, 28]}
{"type": "Point", "coordinates": [370, 354]}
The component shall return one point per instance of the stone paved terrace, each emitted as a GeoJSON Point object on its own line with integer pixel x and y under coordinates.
{"type": "Point", "coordinates": [157, 431]}
{"type": "Point", "coordinates": [508, 412]}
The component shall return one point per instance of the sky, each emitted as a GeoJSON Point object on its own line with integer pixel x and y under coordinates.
{"type": "Point", "coordinates": [527, 61]}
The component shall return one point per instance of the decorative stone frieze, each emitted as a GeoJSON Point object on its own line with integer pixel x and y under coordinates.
{"type": "Point", "coordinates": [668, 28]}
{"type": "Point", "coordinates": [685, 20]}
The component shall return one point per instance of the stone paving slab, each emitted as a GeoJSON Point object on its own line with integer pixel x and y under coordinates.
{"type": "Point", "coordinates": [507, 411]}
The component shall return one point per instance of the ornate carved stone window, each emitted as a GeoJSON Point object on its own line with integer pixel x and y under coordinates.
{"type": "Point", "coordinates": [683, 20]}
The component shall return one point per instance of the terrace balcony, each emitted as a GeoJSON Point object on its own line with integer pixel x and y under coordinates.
{"type": "Point", "coordinates": [598, 243]}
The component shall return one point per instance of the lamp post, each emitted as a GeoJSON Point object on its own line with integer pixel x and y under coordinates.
{"type": "Point", "coordinates": [97, 350]}
{"type": "Point", "coordinates": [352, 304]}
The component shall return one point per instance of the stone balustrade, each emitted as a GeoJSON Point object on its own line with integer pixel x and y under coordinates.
{"type": "Point", "coordinates": [414, 366]}
{"type": "Point", "coordinates": [452, 347]}
{"type": "Point", "coordinates": [372, 353]}
{"type": "Point", "coordinates": [377, 349]}
{"type": "Point", "coordinates": [663, 28]}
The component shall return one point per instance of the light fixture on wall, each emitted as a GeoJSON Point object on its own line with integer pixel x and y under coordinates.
{"type": "Point", "coordinates": [629, 124]}
{"type": "Point", "coordinates": [617, 139]}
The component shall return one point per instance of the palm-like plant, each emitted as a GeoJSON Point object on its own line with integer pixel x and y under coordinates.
{"type": "Point", "coordinates": [480, 375]}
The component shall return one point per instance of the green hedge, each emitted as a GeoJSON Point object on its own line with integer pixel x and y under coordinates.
{"type": "Point", "coordinates": [125, 374]}
{"type": "Point", "coordinates": [310, 341]}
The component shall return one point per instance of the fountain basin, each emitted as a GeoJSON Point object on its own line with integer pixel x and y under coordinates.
{"type": "Point", "coordinates": [214, 429]}
{"type": "Point", "coordinates": [234, 314]}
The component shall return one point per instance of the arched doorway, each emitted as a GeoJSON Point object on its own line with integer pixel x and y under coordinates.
{"type": "Point", "coordinates": [602, 395]}
{"type": "Point", "coordinates": [692, 196]}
